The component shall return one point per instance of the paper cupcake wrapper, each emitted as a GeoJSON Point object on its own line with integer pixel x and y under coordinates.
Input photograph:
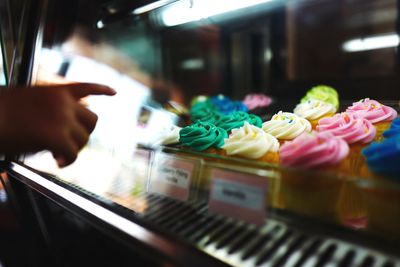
{"type": "Point", "coordinates": [353, 163]}
{"type": "Point", "coordinates": [352, 204]}
{"type": "Point", "coordinates": [380, 128]}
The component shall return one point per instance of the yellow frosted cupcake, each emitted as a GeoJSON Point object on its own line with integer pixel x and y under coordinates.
{"type": "Point", "coordinates": [378, 114]}
{"type": "Point", "coordinates": [286, 126]}
{"type": "Point", "coordinates": [313, 110]}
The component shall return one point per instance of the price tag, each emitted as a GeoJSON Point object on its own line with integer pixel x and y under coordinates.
{"type": "Point", "coordinates": [172, 176]}
{"type": "Point", "coordinates": [238, 195]}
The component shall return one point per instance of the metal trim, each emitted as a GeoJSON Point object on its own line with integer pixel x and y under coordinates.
{"type": "Point", "coordinates": [112, 223]}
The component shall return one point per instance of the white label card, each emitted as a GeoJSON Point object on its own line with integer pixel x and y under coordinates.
{"type": "Point", "coordinates": [172, 176]}
{"type": "Point", "coordinates": [239, 195]}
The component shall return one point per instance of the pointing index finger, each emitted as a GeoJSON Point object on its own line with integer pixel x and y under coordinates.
{"type": "Point", "coordinates": [80, 90]}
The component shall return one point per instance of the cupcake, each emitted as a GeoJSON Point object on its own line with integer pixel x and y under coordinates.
{"type": "Point", "coordinates": [237, 120]}
{"type": "Point", "coordinates": [226, 106]}
{"type": "Point", "coordinates": [313, 110]}
{"type": "Point", "coordinates": [308, 192]}
{"type": "Point", "coordinates": [168, 135]}
{"type": "Point", "coordinates": [203, 136]}
{"type": "Point", "coordinates": [324, 93]}
{"type": "Point", "coordinates": [357, 132]}
{"type": "Point", "coordinates": [204, 111]}
{"type": "Point", "coordinates": [286, 126]}
{"type": "Point", "coordinates": [257, 103]}
{"type": "Point", "coordinates": [380, 115]}
{"type": "Point", "coordinates": [252, 142]}
{"type": "Point", "coordinates": [384, 157]}
{"type": "Point", "coordinates": [382, 193]}
{"type": "Point", "coordinates": [394, 129]}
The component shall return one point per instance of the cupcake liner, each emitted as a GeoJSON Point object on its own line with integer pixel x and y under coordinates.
{"type": "Point", "coordinates": [351, 204]}
{"type": "Point", "coordinates": [270, 157]}
{"type": "Point", "coordinates": [353, 163]}
{"type": "Point", "coordinates": [380, 128]}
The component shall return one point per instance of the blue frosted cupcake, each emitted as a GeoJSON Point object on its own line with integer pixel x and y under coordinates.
{"type": "Point", "coordinates": [394, 129]}
{"type": "Point", "coordinates": [382, 195]}
{"type": "Point", "coordinates": [226, 106]}
{"type": "Point", "coordinates": [384, 157]}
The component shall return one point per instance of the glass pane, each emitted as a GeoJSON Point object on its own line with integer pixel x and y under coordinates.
{"type": "Point", "coordinates": [162, 60]}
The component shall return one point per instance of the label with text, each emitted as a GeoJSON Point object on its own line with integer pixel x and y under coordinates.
{"type": "Point", "coordinates": [172, 177]}
{"type": "Point", "coordinates": [239, 195]}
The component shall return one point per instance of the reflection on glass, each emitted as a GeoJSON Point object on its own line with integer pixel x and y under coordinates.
{"type": "Point", "coordinates": [371, 43]}
{"type": "Point", "coordinates": [187, 11]}
{"type": "Point", "coordinates": [2, 68]}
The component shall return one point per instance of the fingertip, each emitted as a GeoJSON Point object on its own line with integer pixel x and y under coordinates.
{"type": "Point", "coordinates": [61, 162]}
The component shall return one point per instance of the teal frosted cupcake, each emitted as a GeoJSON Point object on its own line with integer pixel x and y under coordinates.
{"type": "Point", "coordinates": [202, 136]}
{"type": "Point", "coordinates": [204, 111]}
{"type": "Point", "coordinates": [237, 120]}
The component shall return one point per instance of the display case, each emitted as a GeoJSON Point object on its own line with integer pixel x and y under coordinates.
{"type": "Point", "coordinates": [205, 208]}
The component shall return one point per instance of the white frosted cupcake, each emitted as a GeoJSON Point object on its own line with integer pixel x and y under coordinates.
{"type": "Point", "coordinates": [252, 142]}
{"type": "Point", "coordinates": [168, 135]}
{"type": "Point", "coordinates": [313, 110]}
{"type": "Point", "coordinates": [286, 126]}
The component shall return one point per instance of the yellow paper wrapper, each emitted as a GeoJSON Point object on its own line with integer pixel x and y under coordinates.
{"type": "Point", "coordinates": [380, 128]}
{"type": "Point", "coordinates": [351, 204]}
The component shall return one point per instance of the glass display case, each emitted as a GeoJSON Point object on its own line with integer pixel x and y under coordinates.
{"type": "Point", "coordinates": [206, 208]}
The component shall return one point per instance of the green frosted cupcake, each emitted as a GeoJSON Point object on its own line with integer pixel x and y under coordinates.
{"type": "Point", "coordinates": [237, 120]}
{"type": "Point", "coordinates": [323, 93]}
{"type": "Point", "coordinates": [202, 136]}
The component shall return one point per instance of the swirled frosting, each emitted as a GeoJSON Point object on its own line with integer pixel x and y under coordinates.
{"type": "Point", "coordinates": [313, 109]}
{"type": "Point", "coordinates": [313, 150]}
{"type": "Point", "coordinates": [384, 157]}
{"type": "Point", "coordinates": [250, 141]}
{"type": "Point", "coordinates": [286, 125]}
{"type": "Point", "coordinates": [372, 110]}
{"type": "Point", "coordinates": [168, 136]}
{"type": "Point", "coordinates": [347, 126]}
{"type": "Point", "coordinates": [253, 101]}
{"type": "Point", "coordinates": [204, 111]}
{"type": "Point", "coordinates": [323, 93]}
{"type": "Point", "coordinates": [225, 105]}
{"type": "Point", "coordinates": [237, 119]}
{"type": "Point", "coordinates": [202, 135]}
{"type": "Point", "coordinates": [394, 129]}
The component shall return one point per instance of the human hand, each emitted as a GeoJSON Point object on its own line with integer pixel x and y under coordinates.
{"type": "Point", "coordinates": [48, 118]}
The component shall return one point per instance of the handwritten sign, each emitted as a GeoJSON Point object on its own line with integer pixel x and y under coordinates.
{"type": "Point", "coordinates": [238, 195]}
{"type": "Point", "coordinates": [171, 176]}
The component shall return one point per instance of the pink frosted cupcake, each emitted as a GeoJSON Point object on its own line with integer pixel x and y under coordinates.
{"type": "Point", "coordinates": [377, 113]}
{"type": "Point", "coordinates": [257, 103]}
{"type": "Point", "coordinates": [357, 132]}
{"type": "Point", "coordinates": [300, 190]}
